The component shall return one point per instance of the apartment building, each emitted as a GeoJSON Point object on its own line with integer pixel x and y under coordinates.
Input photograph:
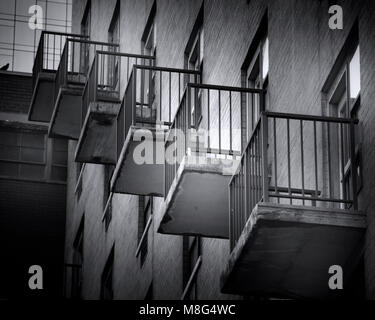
{"type": "Point", "coordinates": [32, 194]}
{"type": "Point", "coordinates": [267, 111]}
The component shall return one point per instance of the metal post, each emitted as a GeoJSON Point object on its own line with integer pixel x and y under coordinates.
{"type": "Point", "coordinates": [353, 166]}
{"type": "Point", "coordinates": [134, 99]}
{"type": "Point", "coordinates": [264, 124]}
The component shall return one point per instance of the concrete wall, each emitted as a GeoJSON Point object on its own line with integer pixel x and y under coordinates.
{"type": "Point", "coordinates": [302, 53]}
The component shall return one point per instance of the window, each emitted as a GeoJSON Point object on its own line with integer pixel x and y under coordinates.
{"type": "Point", "coordinates": [59, 159]}
{"type": "Point", "coordinates": [106, 292]}
{"type": "Point", "coordinates": [85, 31]}
{"type": "Point", "coordinates": [114, 27]}
{"type": "Point", "coordinates": [354, 75]}
{"type": "Point", "coordinates": [76, 288]}
{"type": "Point", "coordinates": [113, 61]}
{"type": "Point", "coordinates": [257, 78]}
{"type": "Point", "coordinates": [148, 45]}
{"type": "Point", "coordinates": [194, 53]}
{"type": "Point", "coordinates": [79, 185]}
{"type": "Point", "coordinates": [79, 166]}
{"type": "Point", "coordinates": [144, 221]}
{"type": "Point", "coordinates": [191, 262]}
{"type": "Point", "coordinates": [108, 172]}
{"type": "Point", "coordinates": [31, 155]}
{"type": "Point", "coordinates": [254, 72]}
{"type": "Point", "coordinates": [23, 154]}
{"type": "Point", "coordinates": [343, 90]}
{"type": "Point", "coordinates": [86, 20]}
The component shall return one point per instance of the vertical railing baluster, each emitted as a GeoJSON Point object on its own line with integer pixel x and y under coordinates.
{"type": "Point", "coordinates": [219, 120]}
{"type": "Point", "coordinates": [170, 97]}
{"type": "Point", "coordinates": [54, 48]}
{"type": "Point", "coordinates": [248, 181]}
{"type": "Point", "coordinates": [329, 160]}
{"type": "Point", "coordinates": [179, 87]}
{"type": "Point", "coordinates": [208, 122]}
{"type": "Point", "coordinates": [302, 163]}
{"type": "Point", "coordinates": [188, 110]}
{"type": "Point", "coordinates": [260, 166]}
{"type": "Point", "coordinates": [252, 172]}
{"type": "Point", "coordinates": [275, 156]}
{"type": "Point", "coordinates": [230, 124]}
{"type": "Point", "coordinates": [315, 160]}
{"type": "Point", "coordinates": [353, 170]}
{"type": "Point", "coordinates": [96, 61]}
{"type": "Point", "coordinates": [47, 50]}
{"type": "Point", "coordinates": [150, 91]}
{"type": "Point", "coordinates": [342, 162]}
{"type": "Point", "coordinates": [288, 160]}
{"type": "Point", "coordinates": [160, 95]}
{"type": "Point", "coordinates": [134, 98]}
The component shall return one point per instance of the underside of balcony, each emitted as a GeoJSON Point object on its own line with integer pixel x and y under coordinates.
{"type": "Point", "coordinates": [197, 201]}
{"type": "Point", "coordinates": [66, 117]}
{"type": "Point", "coordinates": [137, 177]}
{"type": "Point", "coordinates": [41, 106]}
{"type": "Point", "coordinates": [286, 251]}
{"type": "Point", "coordinates": [97, 142]}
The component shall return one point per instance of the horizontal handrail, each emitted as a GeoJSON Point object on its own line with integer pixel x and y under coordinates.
{"type": "Point", "coordinates": [296, 116]}
{"type": "Point", "coordinates": [226, 88]}
{"type": "Point", "coordinates": [107, 71]}
{"type": "Point", "coordinates": [166, 69]}
{"type": "Point", "coordinates": [124, 54]}
{"type": "Point", "coordinates": [282, 149]}
{"type": "Point", "coordinates": [152, 95]}
{"type": "Point", "coordinates": [58, 33]}
{"type": "Point", "coordinates": [88, 41]}
{"type": "Point", "coordinates": [49, 51]}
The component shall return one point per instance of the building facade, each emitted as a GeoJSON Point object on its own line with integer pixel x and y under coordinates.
{"type": "Point", "coordinates": [283, 192]}
{"type": "Point", "coordinates": [32, 197]}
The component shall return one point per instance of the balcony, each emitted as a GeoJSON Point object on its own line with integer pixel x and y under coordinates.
{"type": "Point", "coordinates": [46, 62]}
{"type": "Point", "coordinates": [293, 208]}
{"type": "Point", "coordinates": [101, 104]}
{"type": "Point", "coordinates": [207, 135]}
{"type": "Point", "coordinates": [151, 96]}
{"type": "Point", "coordinates": [70, 80]}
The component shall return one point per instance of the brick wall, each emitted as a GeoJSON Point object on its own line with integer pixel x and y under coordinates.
{"type": "Point", "coordinates": [15, 92]}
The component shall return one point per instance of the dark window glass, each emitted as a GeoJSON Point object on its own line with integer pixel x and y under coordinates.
{"type": "Point", "coordinates": [8, 152]}
{"type": "Point", "coordinates": [9, 169]}
{"type": "Point", "coordinates": [30, 171]}
{"type": "Point", "coordinates": [58, 173]}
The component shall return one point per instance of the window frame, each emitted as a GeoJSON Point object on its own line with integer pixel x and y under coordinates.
{"type": "Point", "coordinates": [192, 259]}
{"type": "Point", "coordinates": [107, 277]}
{"type": "Point", "coordinates": [339, 95]}
{"type": "Point", "coordinates": [145, 217]}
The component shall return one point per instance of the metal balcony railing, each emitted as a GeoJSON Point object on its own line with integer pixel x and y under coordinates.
{"type": "Point", "coordinates": [104, 78]}
{"type": "Point", "coordinates": [152, 94]}
{"type": "Point", "coordinates": [49, 51]}
{"type": "Point", "coordinates": [210, 120]}
{"type": "Point", "coordinates": [75, 60]}
{"type": "Point", "coordinates": [297, 160]}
